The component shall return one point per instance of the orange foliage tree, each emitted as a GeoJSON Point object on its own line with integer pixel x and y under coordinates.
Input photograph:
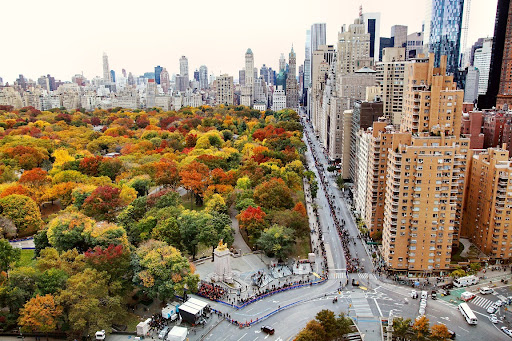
{"type": "Point", "coordinates": [40, 314]}
{"type": "Point", "coordinates": [195, 178]}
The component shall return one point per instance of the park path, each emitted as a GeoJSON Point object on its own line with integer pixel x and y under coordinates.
{"type": "Point", "coordinates": [239, 242]}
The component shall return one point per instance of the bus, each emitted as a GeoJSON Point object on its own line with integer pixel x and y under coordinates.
{"type": "Point", "coordinates": [468, 314]}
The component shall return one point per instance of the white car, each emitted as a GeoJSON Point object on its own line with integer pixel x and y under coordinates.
{"type": "Point", "coordinates": [414, 294]}
{"type": "Point", "coordinates": [492, 309]}
{"type": "Point", "coordinates": [493, 318]}
{"type": "Point", "coordinates": [100, 335]}
{"type": "Point", "coordinates": [486, 290]}
{"type": "Point", "coordinates": [424, 294]}
{"type": "Point", "coordinates": [498, 303]}
{"type": "Point", "coordinates": [506, 331]}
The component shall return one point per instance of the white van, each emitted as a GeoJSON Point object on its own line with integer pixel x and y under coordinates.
{"type": "Point", "coordinates": [465, 281]}
{"type": "Point", "coordinates": [486, 290]}
{"type": "Point", "coordinates": [424, 294]}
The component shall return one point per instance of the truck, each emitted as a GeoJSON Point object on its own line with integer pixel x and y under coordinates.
{"type": "Point", "coordinates": [465, 281]}
{"type": "Point", "coordinates": [143, 328]}
{"type": "Point", "coordinates": [177, 334]}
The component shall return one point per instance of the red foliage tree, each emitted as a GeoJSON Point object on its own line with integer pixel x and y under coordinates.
{"type": "Point", "coordinates": [194, 178]}
{"type": "Point", "coordinates": [36, 177]}
{"type": "Point", "coordinates": [166, 173]}
{"type": "Point", "coordinates": [142, 121]}
{"type": "Point", "coordinates": [115, 260]}
{"type": "Point", "coordinates": [103, 203]}
{"type": "Point", "coordinates": [190, 140]}
{"type": "Point", "coordinates": [90, 165]}
{"type": "Point", "coordinates": [252, 219]}
{"type": "Point", "coordinates": [299, 207]}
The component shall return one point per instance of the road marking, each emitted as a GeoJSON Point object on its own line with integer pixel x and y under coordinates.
{"type": "Point", "coordinates": [242, 337]}
{"type": "Point", "coordinates": [467, 331]}
{"type": "Point", "coordinates": [378, 308]}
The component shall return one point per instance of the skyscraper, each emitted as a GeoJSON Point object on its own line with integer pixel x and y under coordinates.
{"type": "Point", "coordinates": [292, 91]}
{"type": "Point", "coordinates": [307, 60]}
{"type": "Point", "coordinates": [112, 75]}
{"type": "Point", "coordinates": [196, 75]}
{"type": "Point", "coordinates": [264, 73]}
{"type": "Point", "coordinates": [505, 87]}
{"type": "Point", "coordinates": [203, 77]}
{"type": "Point", "coordinates": [482, 61]}
{"type": "Point", "coordinates": [165, 80]}
{"type": "Point", "coordinates": [502, 27]}
{"type": "Point", "coordinates": [225, 89]}
{"type": "Point", "coordinates": [282, 63]}
{"type": "Point", "coordinates": [445, 26]}
{"type": "Point", "coordinates": [158, 70]}
{"type": "Point", "coordinates": [371, 22]}
{"type": "Point", "coordinates": [247, 96]}
{"type": "Point", "coordinates": [106, 69]}
{"type": "Point", "coordinates": [317, 39]}
{"type": "Point", "coordinates": [399, 35]}
{"type": "Point", "coordinates": [184, 68]}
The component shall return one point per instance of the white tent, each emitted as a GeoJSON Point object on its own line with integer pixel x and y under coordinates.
{"type": "Point", "coordinates": [177, 334]}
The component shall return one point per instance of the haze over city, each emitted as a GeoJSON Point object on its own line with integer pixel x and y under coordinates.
{"type": "Point", "coordinates": [64, 38]}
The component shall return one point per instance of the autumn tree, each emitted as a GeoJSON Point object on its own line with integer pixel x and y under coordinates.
{"type": "Point", "coordinates": [40, 314]}
{"type": "Point", "coordinates": [273, 194]}
{"type": "Point", "coordinates": [439, 332]}
{"type": "Point", "coordinates": [194, 178]}
{"type": "Point", "coordinates": [401, 327]}
{"type": "Point", "coordinates": [252, 220]}
{"type": "Point", "coordinates": [114, 259]}
{"type": "Point", "coordinates": [161, 271]}
{"type": "Point", "coordinates": [23, 212]}
{"type": "Point", "coordinates": [421, 327]}
{"type": "Point", "coordinates": [103, 203]}
{"type": "Point", "coordinates": [166, 174]}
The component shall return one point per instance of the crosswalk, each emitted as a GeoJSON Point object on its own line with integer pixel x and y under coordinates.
{"type": "Point", "coordinates": [360, 305]}
{"type": "Point", "coordinates": [362, 276]}
{"type": "Point", "coordinates": [481, 302]}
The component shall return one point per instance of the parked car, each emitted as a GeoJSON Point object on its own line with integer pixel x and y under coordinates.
{"type": "Point", "coordinates": [163, 333]}
{"type": "Point", "coordinates": [492, 309]}
{"type": "Point", "coordinates": [433, 295]}
{"type": "Point", "coordinates": [100, 335]}
{"type": "Point", "coordinates": [498, 303]}
{"type": "Point", "coordinates": [452, 334]}
{"type": "Point", "coordinates": [507, 331]}
{"type": "Point", "coordinates": [486, 290]}
{"type": "Point", "coordinates": [267, 329]}
{"type": "Point", "coordinates": [493, 318]}
{"type": "Point", "coordinates": [424, 294]}
{"type": "Point", "coordinates": [414, 294]}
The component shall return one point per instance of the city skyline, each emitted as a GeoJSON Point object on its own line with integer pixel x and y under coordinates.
{"type": "Point", "coordinates": [117, 39]}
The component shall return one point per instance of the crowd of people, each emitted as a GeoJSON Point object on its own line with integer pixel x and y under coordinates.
{"type": "Point", "coordinates": [212, 291]}
{"type": "Point", "coordinates": [353, 264]}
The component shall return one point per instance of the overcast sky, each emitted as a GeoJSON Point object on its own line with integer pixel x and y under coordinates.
{"type": "Point", "coordinates": [64, 37]}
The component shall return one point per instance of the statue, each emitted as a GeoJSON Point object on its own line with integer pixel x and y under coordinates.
{"type": "Point", "coordinates": [222, 246]}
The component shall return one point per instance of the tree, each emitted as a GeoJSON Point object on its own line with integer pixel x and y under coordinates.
{"type": "Point", "coordinates": [340, 182]}
{"type": "Point", "coordinates": [458, 273]}
{"type": "Point", "coordinates": [166, 174]}
{"type": "Point", "coordinates": [194, 178]}
{"type": "Point", "coordinates": [90, 165]}
{"type": "Point", "coordinates": [439, 332]}
{"type": "Point", "coordinates": [168, 231]}
{"type": "Point", "coordinates": [40, 314]}
{"type": "Point", "coordinates": [66, 231]}
{"type": "Point", "coordinates": [343, 325]}
{"type": "Point", "coordinates": [8, 255]}
{"type": "Point", "coordinates": [253, 221]}
{"type": "Point", "coordinates": [51, 281]}
{"type": "Point", "coordinates": [191, 223]}
{"type": "Point", "coordinates": [216, 204]}
{"type": "Point", "coordinates": [421, 327]}
{"type": "Point", "coordinates": [23, 212]}
{"type": "Point", "coordinates": [276, 241]}
{"type": "Point", "coordinates": [103, 203]}
{"type": "Point", "coordinates": [401, 327]}
{"type": "Point", "coordinates": [328, 321]}
{"type": "Point", "coordinates": [475, 267]}
{"type": "Point", "coordinates": [114, 260]}
{"type": "Point", "coordinates": [314, 331]}
{"type": "Point", "coordinates": [299, 207]}
{"type": "Point", "coordinates": [273, 194]}
{"type": "Point", "coordinates": [90, 302]}
{"type": "Point", "coordinates": [110, 167]}
{"type": "Point", "coordinates": [161, 271]}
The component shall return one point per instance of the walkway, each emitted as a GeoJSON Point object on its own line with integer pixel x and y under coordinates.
{"type": "Point", "coordinates": [239, 243]}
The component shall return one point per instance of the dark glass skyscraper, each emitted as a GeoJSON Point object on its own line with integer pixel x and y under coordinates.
{"type": "Point", "coordinates": [158, 71]}
{"type": "Point", "coordinates": [445, 32]}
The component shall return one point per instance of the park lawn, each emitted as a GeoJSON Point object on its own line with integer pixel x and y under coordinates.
{"type": "Point", "coordinates": [301, 248]}
{"type": "Point", "coordinates": [26, 258]}
{"type": "Point", "coordinates": [191, 205]}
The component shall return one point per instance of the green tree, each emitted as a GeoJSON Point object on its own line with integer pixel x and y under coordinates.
{"type": "Point", "coordinates": [191, 223]}
{"type": "Point", "coordinates": [90, 302]}
{"type": "Point", "coordinates": [340, 182]}
{"type": "Point", "coordinates": [168, 231]}
{"type": "Point", "coordinates": [314, 331]}
{"type": "Point", "coordinates": [51, 281]}
{"type": "Point", "coordinates": [329, 323]}
{"type": "Point", "coordinates": [161, 271]}
{"type": "Point", "coordinates": [458, 273]}
{"type": "Point", "coordinates": [276, 241]}
{"type": "Point", "coordinates": [401, 327]}
{"type": "Point", "coordinates": [475, 267]}
{"type": "Point", "coordinates": [8, 255]}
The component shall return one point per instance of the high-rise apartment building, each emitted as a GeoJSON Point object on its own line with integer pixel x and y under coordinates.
{"type": "Point", "coordinates": [432, 102]}
{"type": "Point", "coordinates": [505, 88]}
{"type": "Point", "coordinates": [184, 68]}
{"type": "Point", "coordinates": [241, 77]}
{"type": "Point", "coordinates": [391, 79]}
{"type": "Point", "coordinates": [353, 48]}
{"type": "Point", "coordinates": [264, 73]}
{"type": "Point", "coordinates": [106, 69]}
{"type": "Point", "coordinates": [318, 33]}
{"type": "Point", "coordinates": [371, 22]}
{"type": "Point", "coordinates": [225, 89]}
{"type": "Point", "coordinates": [482, 61]}
{"type": "Point", "coordinates": [399, 35]}
{"type": "Point", "coordinates": [203, 77]}
{"type": "Point", "coordinates": [322, 60]}
{"type": "Point", "coordinates": [471, 84]}
{"type": "Point", "coordinates": [384, 43]}
{"type": "Point", "coordinates": [307, 60]}
{"type": "Point", "coordinates": [444, 22]}
{"type": "Point", "coordinates": [414, 45]}
{"type": "Point", "coordinates": [487, 212]}
{"type": "Point", "coordinates": [165, 80]}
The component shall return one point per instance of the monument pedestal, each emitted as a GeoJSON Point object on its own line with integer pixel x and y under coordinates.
{"type": "Point", "coordinates": [222, 264]}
